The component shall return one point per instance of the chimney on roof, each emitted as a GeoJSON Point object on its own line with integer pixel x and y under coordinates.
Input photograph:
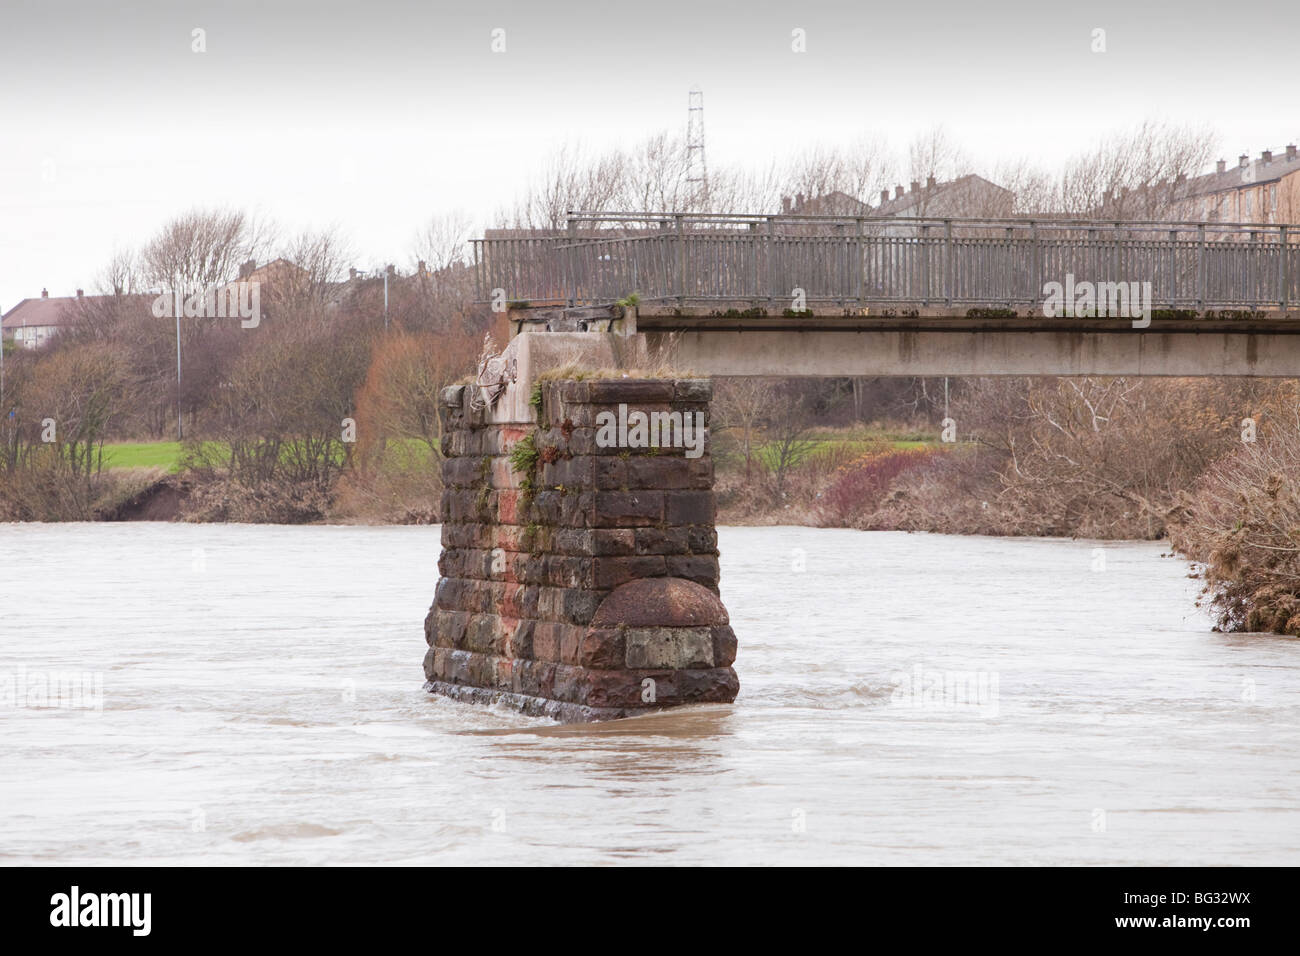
{"type": "Point", "coordinates": [246, 269]}
{"type": "Point", "coordinates": [80, 293]}
{"type": "Point", "coordinates": [884, 196]}
{"type": "Point", "coordinates": [352, 273]}
{"type": "Point", "coordinates": [1266, 156]}
{"type": "Point", "coordinates": [1290, 152]}
{"type": "Point", "coordinates": [420, 268]}
{"type": "Point", "coordinates": [391, 271]}
{"type": "Point", "coordinates": [929, 182]}
{"type": "Point", "coordinates": [798, 199]}
{"type": "Point", "coordinates": [45, 293]}
{"type": "Point", "coordinates": [898, 192]}
{"type": "Point", "coordinates": [916, 185]}
{"type": "Point", "coordinates": [785, 204]}
{"type": "Point", "coordinates": [1243, 160]}
{"type": "Point", "coordinates": [1221, 165]}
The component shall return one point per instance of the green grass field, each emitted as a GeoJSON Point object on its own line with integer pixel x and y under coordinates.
{"type": "Point", "coordinates": [157, 454]}
{"type": "Point", "coordinates": [400, 454]}
{"type": "Point", "coordinates": [411, 452]}
{"type": "Point", "coordinates": [855, 441]}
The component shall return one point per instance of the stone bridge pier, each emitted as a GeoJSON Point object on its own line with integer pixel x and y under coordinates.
{"type": "Point", "coordinates": [578, 576]}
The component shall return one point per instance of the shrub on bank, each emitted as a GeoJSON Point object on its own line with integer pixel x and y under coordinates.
{"type": "Point", "coordinates": [860, 486]}
{"type": "Point", "coordinates": [44, 491]}
{"type": "Point", "coordinates": [271, 501]}
{"type": "Point", "coordinates": [1242, 519]}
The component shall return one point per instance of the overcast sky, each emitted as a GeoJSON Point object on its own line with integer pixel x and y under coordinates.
{"type": "Point", "coordinates": [375, 115]}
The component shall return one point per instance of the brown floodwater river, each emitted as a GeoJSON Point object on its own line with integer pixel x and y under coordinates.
{"type": "Point", "coordinates": [251, 694]}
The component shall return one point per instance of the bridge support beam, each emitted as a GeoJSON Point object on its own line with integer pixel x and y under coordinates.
{"type": "Point", "coordinates": [893, 352]}
{"type": "Point", "coordinates": [579, 579]}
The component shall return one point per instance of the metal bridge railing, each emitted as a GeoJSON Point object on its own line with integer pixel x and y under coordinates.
{"type": "Point", "coordinates": [677, 258]}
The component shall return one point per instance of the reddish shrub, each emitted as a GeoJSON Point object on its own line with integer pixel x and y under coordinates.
{"type": "Point", "coordinates": [861, 486]}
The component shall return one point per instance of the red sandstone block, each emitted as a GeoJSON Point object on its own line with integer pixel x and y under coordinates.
{"type": "Point", "coordinates": [699, 474]}
{"type": "Point", "coordinates": [576, 510]}
{"type": "Point", "coordinates": [664, 472]}
{"type": "Point", "coordinates": [482, 670]}
{"type": "Point", "coordinates": [610, 572]}
{"type": "Point", "coordinates": [582, 441]}
{"type": "Point", "coordinates": [457, 667]}
{"type": "Point", "coordinates": [624, 509]}
{"type": "Point", "coordinates": [622, 688]}
{"type": "Point", "coordinates": [572, 474]}
{"type": "Point", "coordinates": [578, 605]}
{"type": "Point", "coordinates": [463, 535]}
{"type": "Point", "coordinates": [702, 539]}
{"type": "Point", "coordinates": [519, 639]}
{"type": "Point", "coordinates": [660, 540]}
{"type": "Point", "coordinates": [439, 663]}
{"type": "Point", "coordinates": [537, 678]}
{"type": "Point", "coordinates": [467, 594]}
{"type": "Point", "coordinates": [512, 433]}
{"type": "Point", "coordinates": [543, 509]}
{"type": "Point", "coordinates": [571, 571]}
{"type": "Point", "coordinates": [512, 600]}
{"type": "Point", "coordinates": [700, 568]}
{"type": "Point", "coordinates": [602, 649]}
{"type": "Point", "coordinates": [611, 541]}
{"type": "Point", "coordinates": [609, 473]}
{"type": "Point", "coordinates": [450, 628]}
{"type": "Point", "coordinates": [577, 414]}
{"type": "Point", "coordinates": [571, 643]}
{"type": "Point", "coordinates": [628, 688]}
{"type": "Point", "coordinates": [689, 507]}
{"type": "Point", "coordinates": [451, 562]}
{"type": "Point", "coordinates": [530, 569]}
{"type": "Point", "coordinates": [546, 640]}
{"type": "Point", "coordinates": [571, 541]}
{"type": "Point", "coordinates": [629, 390]}
{"type": "Point", "coordinates": [507, 506]}
{"type": "Point", "coordinates": [502, 475]}
{"type": "Point", "coordinates": [693, 390]}
{"type": "Point", "coordinates": [514, 537]}
{"type": "Point", "coordinates": [570, 683]}
{"type": "Point", "coordinates": [579, 392]}
{"type": "Point", "coordinates": [484, 635]}
{"type": "Point", "coordinates": [724, 646]}
{"type": "Point", "coordinates": [715, 684]}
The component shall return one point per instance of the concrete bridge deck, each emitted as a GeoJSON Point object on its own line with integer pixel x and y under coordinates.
{"type": "Point", "coordinates": [832, 344]}
{"type": "Point", "coordinates": [818, 296]}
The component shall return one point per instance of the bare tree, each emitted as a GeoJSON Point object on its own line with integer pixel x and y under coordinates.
{"type": "Point", "coordinates": [789, 424]}
{"type": "Point", "coordinates": [443, 242]}
{"type": "Point", "coordinates": [740, 405]}
{"type": "Point", "coordinates": [203, 248]}
{"type": "Point", "coordinates": [319, 258]}
{"type": "Point", "coordinates": [572, 180]}
{"type": "Point", "coordinates": [122, 274]}
{"type": "Point", "coordinates": [1133, 175]}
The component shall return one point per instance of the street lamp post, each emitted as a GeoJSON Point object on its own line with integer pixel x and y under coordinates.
{"type": "Point", "coordinates": [176, 307]}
